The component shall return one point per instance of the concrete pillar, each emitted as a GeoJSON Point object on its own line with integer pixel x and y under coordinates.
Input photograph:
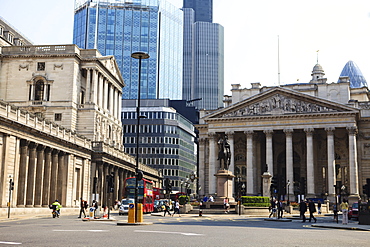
{"type": "Point", "coordinates": [310, 163]}
{"type": "Point", "coordinates": [289, 155]}
{"type": "Point", "coordinates": [111, 98]}
{"type": "Point", "coordinates": [39, 175]}
{"type": "Point", "coordinates": [54, 176]}
{"type": "Point", "coordinates": [31, 174]}
{"type": "Point", "coordinates": [100, 91]}
{"type": "Point", "coordinates": [22, 173]}
{"type": "Point", "coordinates": [250, 168]}
{"type": "Point", "coordinates": [353, 166]}
{"type": "Point", "coordinates": [213, 167]}
{"type": "Point", "coordinates": [269, 151]}
{"type": "Point", "coordinates": [230, 137]}
{"type": "Point", "coordinates": [105, 95]}
{"type": "Point", "coordinates": [61, 171]}
{"type": "Point", "coordinates": [88, 85]}
{"type": "Point", "coordinates": [46, 181]}
{"type": "Point", "coordinates": [94, 93]}
{"type": "Point", "coordinates": [202, 168]}
{"type": "Point", "coordinates": [331, 161]}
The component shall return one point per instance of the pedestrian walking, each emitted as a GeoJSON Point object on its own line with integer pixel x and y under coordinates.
{"type": "Point", "coordinates": [280, 209]}
{"type": "Point", "coordinates": [319, 207]}
{"type": "Point", "coordinates": [344, 207]}
{"type": "Point", "coordinates": [226, 205]}
{"type": "Point", "coordinates": [166, 209]}
{"type": "Point", "coordinates": [95, 204]}
{"type": "Point", "coordinates": [272, 207]}
{"type": "Point", "coordinates": [82, 208]}
{"type": "Point", "coordinates": [312, 209]}
{"type": "Point", "coordinates": [335, 211]}
{"type": "Point", "coordinates": [177, 208]}
{"type": "Point", "coordinates": [302, 210]}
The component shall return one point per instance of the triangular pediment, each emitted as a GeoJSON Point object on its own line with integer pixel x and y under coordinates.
{"type": "Point", "coordinates": [280, 101]}
{"type": "Point", "coordinates": [111, 65]}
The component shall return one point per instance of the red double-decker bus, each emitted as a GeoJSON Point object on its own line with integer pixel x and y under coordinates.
{"type": "Point", "coordinates": [145, 193]}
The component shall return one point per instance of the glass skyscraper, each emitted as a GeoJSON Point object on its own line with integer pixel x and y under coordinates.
{"type": "Point", "coordinates": [203, 72]}
{"type": "Point", "coordinates": [354, 73]}
{"type": "Point", "coordinates": [202, 8]}
{"type": "Point", "coordinates": [121, 27]}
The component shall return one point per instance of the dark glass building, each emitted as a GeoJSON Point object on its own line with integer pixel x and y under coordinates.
{"type": "Point", "coordinates": [202, 8]}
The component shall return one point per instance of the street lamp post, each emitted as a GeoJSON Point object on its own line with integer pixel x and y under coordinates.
{"type": "Point", "coordinates": [138, 55]}
{"type": "Point", "coordinates": [181, 182]}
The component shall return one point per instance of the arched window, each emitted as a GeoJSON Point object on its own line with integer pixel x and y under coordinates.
{"type": "Point", "coordinates": [39, 90]}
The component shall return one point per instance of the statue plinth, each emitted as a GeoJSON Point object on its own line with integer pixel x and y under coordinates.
{"type": "Point", "coordinates": [224, 185]}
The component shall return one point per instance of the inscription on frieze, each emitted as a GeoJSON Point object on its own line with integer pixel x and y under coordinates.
{"type": "Point", "coordinates": [278, 104]}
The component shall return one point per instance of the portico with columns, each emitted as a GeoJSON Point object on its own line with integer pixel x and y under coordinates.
{"type": "Point", "coordinates": [294, 135]}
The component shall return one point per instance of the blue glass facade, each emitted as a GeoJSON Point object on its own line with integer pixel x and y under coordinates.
{"type": "Point", "coordinates": [202, 8]}
{"type": "Point", "coordinates": [120, 28]}
{"type": "Point", "coordinates": [203, 62]}
{"type": "Point", "coordinates": [351, 70]}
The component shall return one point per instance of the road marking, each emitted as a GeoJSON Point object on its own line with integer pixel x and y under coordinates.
{"type": "Point", "coordinates": [80, 230]}
{"type": "Point", "coordinates": [180, 233]}
{"type": "Point", "coordinates": [9, 242]}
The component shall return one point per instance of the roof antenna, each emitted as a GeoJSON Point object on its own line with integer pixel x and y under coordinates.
{"type": "Point", "coordinates": [278, 61]}
{"type": "Point", "coordinates": [317, 56]}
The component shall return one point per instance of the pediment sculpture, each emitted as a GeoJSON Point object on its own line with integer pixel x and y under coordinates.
{"type": "Point", "coordinates": [278, 104]}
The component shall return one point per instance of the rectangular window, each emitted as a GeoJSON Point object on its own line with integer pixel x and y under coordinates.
{"type": "Point", "coordinates": [41, 66]}
{"type": "Point", "coordinates": [58, 117]}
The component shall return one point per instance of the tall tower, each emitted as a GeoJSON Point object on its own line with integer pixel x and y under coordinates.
{"type": "Point", "coordinates": [354, 73]}
{"type": "Point", "coordinates": [121, 27]}
{"type": "Point", "coordinates": [203, 76]}
{"type": "Point", "coordinates": [202, 8]}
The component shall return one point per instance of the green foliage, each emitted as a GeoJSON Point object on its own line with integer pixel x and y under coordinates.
{"type": "Point", "coordinates": [256, 201]}
{"type": "Point", "coordinates": [184, 199]}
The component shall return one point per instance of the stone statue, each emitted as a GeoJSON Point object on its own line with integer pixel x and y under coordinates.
{"type": "Point", "coordinates": [224, 153]}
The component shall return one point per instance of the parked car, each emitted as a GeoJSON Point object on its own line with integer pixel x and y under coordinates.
{"type": "Point", "coordinates": [123, 209]}
{"type": "Point", "coordinates": [353, 211]}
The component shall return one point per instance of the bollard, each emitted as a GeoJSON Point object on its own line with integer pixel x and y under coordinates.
{"type": "Point", "coordinates": [131, 213]}
{"type": "Point", "coordinates": [91, 212]}
{"type": "Point", "coordinates": [200, 212]}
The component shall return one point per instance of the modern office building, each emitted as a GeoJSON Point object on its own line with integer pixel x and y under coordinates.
{"type": "Point", "coordinates": [121, 27]}
{"type": "Point", "coordinates": [354, 73]}
{"type": "Point", "coordinates": [167, 139]}
{"type": "Point", "coordinates": [203, 9]}
{"type": "Point", "coordinates": [203, 64]}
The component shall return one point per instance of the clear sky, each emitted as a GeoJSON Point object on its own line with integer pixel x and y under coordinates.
{"type": "Point", "coordinates": [339, 29]}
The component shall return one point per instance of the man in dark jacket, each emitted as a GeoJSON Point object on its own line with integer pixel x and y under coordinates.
{"type": "Point", "coordinates": [302, 210]}
{"type": "Point", "coordinates": [312, 209]}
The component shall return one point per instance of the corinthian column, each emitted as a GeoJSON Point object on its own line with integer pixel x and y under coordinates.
{"type": "Point", "coordinates": [39, 175]}
{"type": "Point", "coordinates": [202, 169]}
{"type": "Point", "coordinates": [331, 161]}
{"type": "Point", "coordinates": [310, 165]}
{"type": "Point", "coordinates": [269, 151]}
{"type": "Point", "coordinates": [88, 85]}
{"type": "Point", "coordinates": [289, 154]}
{"type": "Point", "coordinates": [31, 175]}
{"type": "Point", "coordinates": [22, 173]}
{"type": "Point", "coordinates": [212, 164]}
{"type": "Point", "coordinates": [250, 168]}
{"type": "Point", "coordinates": [353, 166]}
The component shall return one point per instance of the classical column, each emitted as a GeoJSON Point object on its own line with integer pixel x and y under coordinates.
{"type": "Point", "coordinates": [22, 173]}
{"type": "Point", "coordinates": [119, 105]}
{"type": "Point", "coordinates": [249, 160]}
{"type": "Point", "coordinates": [310, 163]}
{"type": "Point", "coordinates": [353, 166]}
{"type": "Point", "coordinates": [202, 169]}
{"type": "Point", "coordinates": [213, 167]}
{"type": "Point", "coordinates": [230, 137]}
{"type": "Point", "coordinates": [289, 154]}
{"type": "Point", "coordinates": [46, 181]}
{"type": "Point", "coordinates": [94, 93]}
{"type": "Point", "coordinates": [88, 85]}
{"type": "Point", "coordinates": [106, 95]}
{"type": "Point", "coordinates": [269, 151]}
{"type": "Point", "coordinates": [39, 175]}
{"type": "Point", "coordinates": [100, 91]}
{"type": "Point", "coordinates": [31, 174]}
{"type": "Point", "coordinates": [331, 161]}
{"type": "Point", "coordinates": [54, 175]}
{"type": "Point", "coordinates": [111, 98]}
{"type": "Point", "coordinates": [61, 171]}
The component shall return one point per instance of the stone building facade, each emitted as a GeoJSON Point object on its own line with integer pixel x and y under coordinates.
{"type": "Point", "coordinates": [60, 127]}
{"type": "Point", "coordinates": [317, 132]}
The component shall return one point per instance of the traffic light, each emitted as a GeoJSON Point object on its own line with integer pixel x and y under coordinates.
{"type": "Point", "coordinates": [110, 183]}
{"type": "Point", "coordinates": [302, 186]}
{"type": "Point", "coordinates": [11, 183]}
{"type": "Point", "coordinates": [169, 187]}
{"type": "Point", "coordinates": [366, 187]}
{"type": "Point", "coordinates": [281, 185]}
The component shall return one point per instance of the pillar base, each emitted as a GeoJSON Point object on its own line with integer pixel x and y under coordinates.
{"type": "Point", "coordinates": [225, 185]}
